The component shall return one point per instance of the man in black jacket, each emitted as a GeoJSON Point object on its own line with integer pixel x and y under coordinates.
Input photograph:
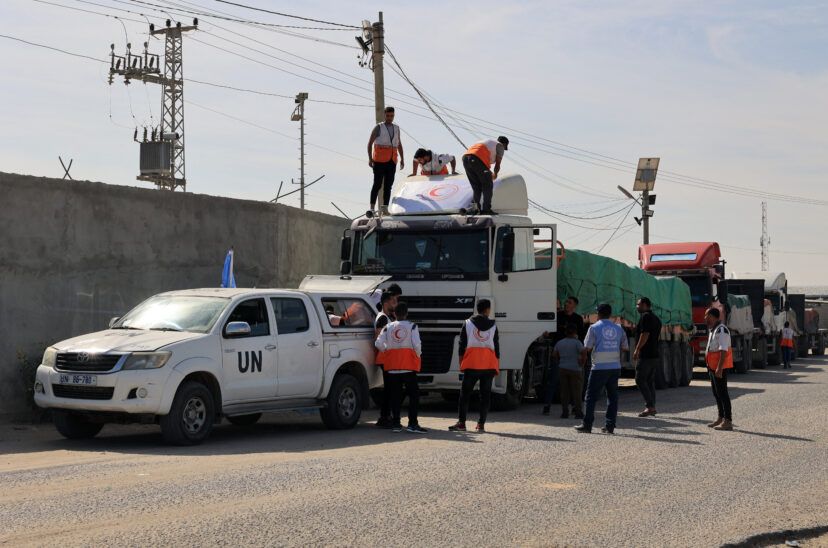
{"type": "Point", "coordinates": [479, 352]}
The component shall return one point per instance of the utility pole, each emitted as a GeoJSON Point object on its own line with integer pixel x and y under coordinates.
{"type": "Point", "coordinates": [372, 43]}
{"type": "Point", "coordinates": [162, 156]}
{"type": "Point", "coordinates": [764, 242]}
{"type": "Point", "coordinates": [299, 115]}
{"type": "Point", "coordinates": [645, 178]}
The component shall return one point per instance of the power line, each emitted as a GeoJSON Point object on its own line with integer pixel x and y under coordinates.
{"type": "Point", "coordinates": [289, 15]}
{"type": "Point", "coordinates": [53, 48]}
{"type": "Point", "coordinates": [600, 249]}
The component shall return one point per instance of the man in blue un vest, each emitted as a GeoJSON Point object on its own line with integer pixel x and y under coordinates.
{"type": "Point", "coordinates": [604, 341]}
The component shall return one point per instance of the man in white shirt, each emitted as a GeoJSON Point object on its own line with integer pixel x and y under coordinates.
{"type": "Point", "coordinates": [433, 164]}
{"type": "Point", "coordinates": [719, 359]}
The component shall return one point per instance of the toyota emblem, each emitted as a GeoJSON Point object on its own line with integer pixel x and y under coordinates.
{"type": "Point", "coordinates": [83, 357]}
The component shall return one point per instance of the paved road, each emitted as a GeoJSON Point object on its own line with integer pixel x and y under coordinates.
{"type": "Point", "coordinates": [665, 481]}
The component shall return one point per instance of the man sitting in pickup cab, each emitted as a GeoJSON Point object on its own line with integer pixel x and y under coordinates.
{"type": "Point", "coordinates": [400, 342]}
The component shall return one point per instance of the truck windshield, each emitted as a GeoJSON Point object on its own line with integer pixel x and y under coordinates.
{"type": "Point", "coordinates": [700, 289]}
{"type": "Point", "coordinates": [174, 313]}
{"type": "Point", "coordinates": [423, 255]}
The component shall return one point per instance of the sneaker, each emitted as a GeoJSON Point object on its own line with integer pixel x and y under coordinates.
{"type": "Point", "coordinates": [480, 429]}
{"type": "Point", "coordinates": [384, 422]}
{"type": "Point", "coordinates": [647, 413]}
{"type": "Point", "coordinates": [459, 427]}
{"type": "Point", "coordinates": [608, 430]}
{"type": "Point", "coordinates": [578, 415]}
{"type": "Point", "coordinates": [564, 415]}
{"type": "Point", "coordinates": [416, 429]}
{"type": "Point", "coordinates": [398, 428]}
{"type": "Point", "coordinates": [715, 423]}
{"type": "Point", "coordinates": [545, 410]}
{"type": "Point", "coordinates": [583, 429]}
{"type": "Point", "coordinates": [725, 425]}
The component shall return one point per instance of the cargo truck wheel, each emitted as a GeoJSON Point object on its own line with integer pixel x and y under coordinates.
{"type": "Point", "coordinates": [686, 352]}
{"type": "Point", "coordinates": [740, 366]}
{"type": "Point", "coordinates": [344, 405]}
{"type": "Point", "coordinates": [678, 363]}
{"type": "Point", "coordinates": [667, 373]}
{"type": "Point", "coordinates": [802, 346]}
{"type": "Point", "coordinates": [73, 426]}
{"type": "Point", "coordinates": [245, 420]}
{"type": "Point", "coordinates": [820, 350]}
{"type": "Point", "coordinates": [191, 416]}
{"type": "Point", "coordinates": [748, 351]}
{"type": "Point", "coordinates": [762, 354]}
{"type": "Point", "coordinates": [775, 357]}
{"type": "Point", "coordinates": [515, 391]}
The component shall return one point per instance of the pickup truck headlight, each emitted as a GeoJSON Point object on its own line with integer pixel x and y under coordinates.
{"type": "Point", "coordinates": [50, 357]}
{"type": "Point", "coordinates": [146, 360]}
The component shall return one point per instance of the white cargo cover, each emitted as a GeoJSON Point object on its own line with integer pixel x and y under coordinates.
{"type": "Point", "coordinates": [774, 281]}
{"type": "Point", "coordinates": [345, 284]}
{"type": "Point", "coordinates": [434, 194]}
{"type": "Point", "coordinates": [740, 320]}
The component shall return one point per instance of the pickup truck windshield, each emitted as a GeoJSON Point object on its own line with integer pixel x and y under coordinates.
{"type": "Point", "coordinates": [434, 255]}
{"type": "Point", "coordinates": [174, 313]}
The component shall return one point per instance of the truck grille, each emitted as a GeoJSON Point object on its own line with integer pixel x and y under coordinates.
{"type": "Point", "coordinates": [83, 361]}
{"type": "Point", "coordinates": [438, 302]}
{"type": "Point", "coordinates": [83, 392]}
{"type": "Point", "coordinates": [437, 352]}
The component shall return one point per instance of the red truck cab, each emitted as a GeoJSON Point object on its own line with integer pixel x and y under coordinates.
{"type": "Point", "coordinates": [700, 266]}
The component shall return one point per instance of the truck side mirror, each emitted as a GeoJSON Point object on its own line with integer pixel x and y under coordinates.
{"type": "Point", "coordinates": [345, 267]}
{"type": "Point", "coordinates": [113, 321]}
{"type": "Point", "coordinates": [507, 252]}
{"type": "Point", "coordinates": [722, 292]}
{"type": "Point", "coordinates": [345, 249]}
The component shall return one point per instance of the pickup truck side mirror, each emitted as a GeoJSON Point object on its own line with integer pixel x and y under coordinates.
{"type": "Point", "coordinates": [508, 252]}
{"type": "Point", "coordinates": [345, 268]}
{"type": "Point", "coordinates": [237, 329]}
{"type": "Point", "coordinates": [113, 321]}
{"type": "Point", "coordinates": [345, 249]}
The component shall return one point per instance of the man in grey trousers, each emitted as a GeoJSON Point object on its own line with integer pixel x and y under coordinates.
{"type": "Point", "coordinates": [646, 355]}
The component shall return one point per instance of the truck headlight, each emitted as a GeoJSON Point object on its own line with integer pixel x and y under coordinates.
{"type": "Point", "coordinates": [146, 360]}
{"type": "Point", "coordinates": [50, 357]}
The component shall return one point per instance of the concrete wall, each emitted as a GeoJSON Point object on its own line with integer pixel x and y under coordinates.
{"type": "Point", "coordinates": [75, 253]}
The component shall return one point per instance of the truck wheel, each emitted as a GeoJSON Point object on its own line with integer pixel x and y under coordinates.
{"type": "Point", "coordinates": [245, 420]}
{"type": "Point", "coordinates": [775, 357]}
{"type": "Point", "coordinates": [344, 403]}
{"type": "Point", "coordinates": [191, 415]}
{"type": "Point", "coordinates": [821, 347]}
{"type": "Point", "coordinates": [740, 366]}
{"type": "Point", "coordinates": [802, 346]}
{"type": "Point", "coordinates": [73, 426]}
{"type": "Point", "coordinates": [748, 353]}
{"type": "Point", "coordinates": [761, 354]}
{"type": "Point", "coordinates": [667, 376]}
{"type": "Point", "coordinates": [678, 363]}
{"type": "Point", "coordinates": [686, 352]}
{"type": "Point", "coordinates": [515, 390]}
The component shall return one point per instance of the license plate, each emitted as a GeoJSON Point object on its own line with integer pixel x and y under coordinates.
{"type": "Point", "coordinates": [88, 380]}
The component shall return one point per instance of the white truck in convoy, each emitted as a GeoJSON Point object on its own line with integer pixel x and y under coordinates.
{"type": "Point", "coordinates": [445, 260]}
{"type": "Point", "coordinates": [184, 359]}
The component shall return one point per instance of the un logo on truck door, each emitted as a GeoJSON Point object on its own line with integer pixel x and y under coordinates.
{"type": "Point", "coordinates": [252, 362]}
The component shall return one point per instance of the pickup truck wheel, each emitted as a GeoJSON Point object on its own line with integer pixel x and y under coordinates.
{"type": "Point", "coordinates": [344, 405]}
{"type": "Point", "coordinates": [191, 416]}
{"type": "Point", "coordinates": [73, 426]}
{"type": "Point", "coordinates": [761, 361]}
{"type": "Point", "coordinates": [245, 420]}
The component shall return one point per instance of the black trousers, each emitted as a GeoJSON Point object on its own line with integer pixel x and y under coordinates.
{"type": "Point", "coordinates": [385, 400]}
{"type": "Point", "coordinates": [721, 394]}
{"type": "Point", "coordinates": [395, 385]}
{"type": "Point", "coordinates": [470, 378]}
{"type": "Point", "coordinates": [383, 179]}
{"type": "Point", "coordinates": [480, 179]}
{"type": "Point", "coordinates": [645, 374]}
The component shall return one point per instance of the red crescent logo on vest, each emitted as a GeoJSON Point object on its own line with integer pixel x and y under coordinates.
{"type": "Point", "coordinates": [399, 334]}
{"type": "Point", "coordinates": [482, 337]}
{"type": "Point", "coordinates": [441, 192]}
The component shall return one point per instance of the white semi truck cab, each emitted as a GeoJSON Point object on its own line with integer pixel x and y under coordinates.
{"type": "Point", "coordinates": [185, 359]}
{"type": "Point", "coordinates": [446, 260]}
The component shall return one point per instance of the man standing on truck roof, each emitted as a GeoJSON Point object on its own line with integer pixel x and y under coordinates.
{"type": "Point", "coordinates": [604, 340]}
{"type": "Point", "coordinates": [479, 351]}
{"type": "Point", "coordinates": [719, 359]}
{"type": "Point", "coordinates": [388, 301]}
{"type": "Point", "coordinates": [787, 344]}
{"type": "Point", "coordinates": [433, 165]}
{"type": "Point", "coordinates": [646, 356]}
{"type": "Point", "coordinates": [400, 341]}
{"type": "Point", "coordinates": [477, 162]}
{"type": "Point", "coordinates": [383, 148]}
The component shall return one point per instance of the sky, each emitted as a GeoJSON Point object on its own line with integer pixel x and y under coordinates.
{"type": "Point", "coordinates": [732, 93]}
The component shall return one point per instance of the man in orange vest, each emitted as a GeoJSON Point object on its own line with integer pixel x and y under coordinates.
{"type": "Point", "coordinates": [477, 162]}
{"type": "Point", "coordinates": [787, 345]}
{"type": "Point", "coordinates": [400, 343]}
{"type": "Point", "coordinates": [719, 359]}
{"type": "Point", "coordinates": [384, 147]}
{"type": "Point", "coordinates": [479, 352]}
{"type": "Point", "coordinates": [433, 165]}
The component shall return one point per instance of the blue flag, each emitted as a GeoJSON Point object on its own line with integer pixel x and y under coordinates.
{"type": "Point", "coordinates": [227, 279]}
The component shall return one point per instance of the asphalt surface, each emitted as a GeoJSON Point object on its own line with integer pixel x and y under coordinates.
{"type": "Point", "coordinates": [531, 480]}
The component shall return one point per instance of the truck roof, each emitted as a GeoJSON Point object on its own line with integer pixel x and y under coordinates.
{"type": "Point", "coordinates": [233, 292]}
{"type": "Point", "coordinates": [446, 194]}
{"type": "Point", "coordinates": [679, 256]}
{"type": "Point", "coordinates": [774, 281]}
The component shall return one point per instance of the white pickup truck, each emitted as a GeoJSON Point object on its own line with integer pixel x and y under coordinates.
{"type": "Point", "coordinates": [185, 359]}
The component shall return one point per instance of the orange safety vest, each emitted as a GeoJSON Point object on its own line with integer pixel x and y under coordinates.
{"type": "Point", "coordinates": [399, 340]}
{"type": "Point", "coordinates": [787, 341]}
{"type": "Point", "coordinates": [485, 150]}
{"type": "Point", "coordinates": [386, 143]}
{"type": "Point", "coordinates": [712, 358]}
{"type": "Point", "coordinates": [480, 350]}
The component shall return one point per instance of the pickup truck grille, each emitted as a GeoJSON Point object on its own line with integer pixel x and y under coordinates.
{"type": "Point", "coordinates": [437, 352]}
{"type": "Point", "coordinates": [83, 392]}
{"type": "Point", "coordinates": [82, 361]}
